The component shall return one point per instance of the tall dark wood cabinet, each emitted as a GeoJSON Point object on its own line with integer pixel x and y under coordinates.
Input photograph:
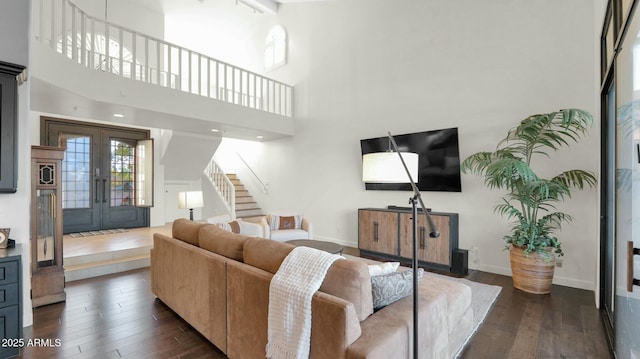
{"type": "Point", "coordinates": [47, 271]}
{"type": "Point", "coordinates": [387, 234]}
{"type": "Point", "coordinates": [8, 126]}
{"type": "Point", "coordinates": [11, 301]}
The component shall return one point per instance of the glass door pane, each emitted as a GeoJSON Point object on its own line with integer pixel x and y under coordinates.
{"type": "Point", "coordinates": [122, 173]}
{"type": "Point", "coordinates": [627, 207]}
{"type": "Point", "coordinates": [98, 175]}
{"type": "Point", "coordinates": [76, 172]}
{"type": "Point", "coordinates": [118, 209]}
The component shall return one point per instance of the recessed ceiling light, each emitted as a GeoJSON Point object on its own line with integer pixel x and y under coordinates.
{"type": "Point", "coordinates": [215, 130]}
{"type": "Point", "coordinates": [260, 137]}
{"type": "Point", "coordinates": [119, 115]}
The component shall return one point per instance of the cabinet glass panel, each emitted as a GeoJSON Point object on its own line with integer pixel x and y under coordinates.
{"type": "Point", "coordinates": [46, 236]}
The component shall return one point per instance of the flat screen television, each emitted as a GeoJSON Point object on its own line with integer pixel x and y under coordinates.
{"type": "Point", "coordinates": [438, 161]}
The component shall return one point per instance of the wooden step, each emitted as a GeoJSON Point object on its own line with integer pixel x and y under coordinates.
{"type": "Point", "coordinates": [246, 205]}
{"type": "Point", "coordinates": [93, 265]}
{"type": "Point", "coordinates": [243, 213]}
{"type": "Point", "coordinates": [245, 199]}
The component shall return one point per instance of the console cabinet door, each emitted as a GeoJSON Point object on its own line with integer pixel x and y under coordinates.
{"type": "Point", "coordinates": [434, 250]}
{"type": "Point", "coordinates": [378, 231]}
{"type": "Point", "coordinates": [8, 126]}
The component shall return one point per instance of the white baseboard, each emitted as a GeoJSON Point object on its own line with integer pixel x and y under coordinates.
{"type": "Point", "coordinates": [559, 280]}
{"type": "Point", "coordinates": [564, 281]}
{"type": "Point", "coordinates": [336, 240]}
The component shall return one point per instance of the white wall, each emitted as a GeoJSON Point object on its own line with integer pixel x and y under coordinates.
{"type": "Point", "coordinates": [219, 29]}
{"type": "Point", "coordinates": [126, 13]}
{"type": "Point", "coordinates": [409, 66]}
{"type": "Point", "coordinates": [15, 208]}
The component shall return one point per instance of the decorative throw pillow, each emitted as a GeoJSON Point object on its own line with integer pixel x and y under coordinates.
{"type": "Point", "coordinates": [232, 226]}
{"type": "Point", "coordinates": [383, 268]}
{"type": "Point", "coordinates": [391, 287]}
{"type": "Point", "coordinates": [284, 222]}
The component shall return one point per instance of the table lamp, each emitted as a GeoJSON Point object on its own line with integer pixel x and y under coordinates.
{"type": "Point", "coordinates": [190, 200]}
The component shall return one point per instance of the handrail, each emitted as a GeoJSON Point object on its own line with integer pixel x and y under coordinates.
{"type": "Point", "coordinates": [223, 186]}
{"type": "Point", "coordinates": [130, 54]}
{"type": "Point", "coordinates": [264, 187]}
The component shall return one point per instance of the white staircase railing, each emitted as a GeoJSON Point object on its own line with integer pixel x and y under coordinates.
{"type": "Point", "coordinates": [223, 186]}
{"type": "Point", "coordinates": [263, 186]}
{"type": "Point", "coordinates": [140, 57]}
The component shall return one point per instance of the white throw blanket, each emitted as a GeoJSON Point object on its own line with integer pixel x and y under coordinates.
{"type": "Point", "coordinates": [290, 292]}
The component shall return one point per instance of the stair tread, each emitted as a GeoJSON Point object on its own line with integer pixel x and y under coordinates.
{"type": "Point", "coordinates": [246, 206]}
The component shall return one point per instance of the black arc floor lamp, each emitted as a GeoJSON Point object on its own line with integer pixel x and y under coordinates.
{"type": "Point", "coordinates": [386, 167]}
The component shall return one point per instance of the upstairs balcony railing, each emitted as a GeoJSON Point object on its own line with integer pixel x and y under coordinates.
{"type": "Point", "coordinates": [102, 46]}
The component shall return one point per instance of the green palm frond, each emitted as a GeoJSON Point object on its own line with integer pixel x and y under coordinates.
{"type": "Point", "coordinates": [507, 173]}
{"type": "Point", "coordinates": [530, 201]}
{"type": "Point", "coordinates": [576, 178]}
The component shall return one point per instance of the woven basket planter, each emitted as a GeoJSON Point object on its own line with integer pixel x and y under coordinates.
{"type": "Point", "coordinates": [531, 274]}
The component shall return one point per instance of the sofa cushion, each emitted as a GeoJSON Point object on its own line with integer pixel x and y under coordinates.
{"type": "Point", "coordinates": [391, 287]}
{"type": "Point", "coordinates": [346, 279]}
{"type": "Point", "coordinates": [350, 280]}
{"type": "Point", "coordinates": [217, 240]}
{"type": "Point", "coordinates": [285, 222]}
{"type": "Point", "coordinates": [186, 230]}
{"type": "Point", "coordinates": [265, 254]}
{"type": "Point", "coordinates": [383, 268]}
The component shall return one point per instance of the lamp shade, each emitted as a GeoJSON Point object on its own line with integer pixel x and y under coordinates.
{"type": "Point", "coordinates": [190, 199]}
{"type": "Point", "coordinates": [386, 167]}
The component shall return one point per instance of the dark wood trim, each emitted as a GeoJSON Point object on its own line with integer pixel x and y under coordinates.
{"type": "Point", "coordinates": [48, 126]}
{"type": "Point", "coordinates": [10, 69]}
{"type": "Point", "coordinates": [46, 122]}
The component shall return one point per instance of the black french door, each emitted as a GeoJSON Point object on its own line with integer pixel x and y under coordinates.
{"type": "Point", "coordinates": [98, 175]}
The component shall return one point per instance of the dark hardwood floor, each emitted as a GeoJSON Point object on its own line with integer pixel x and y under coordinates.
{"type": "Point", "coordinates": [563, 324]}
{"type": "Point", "coordinates": [117, 316]}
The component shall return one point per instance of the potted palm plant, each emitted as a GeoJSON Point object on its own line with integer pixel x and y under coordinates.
{"type": "Point", "coordinates": [530, 199]}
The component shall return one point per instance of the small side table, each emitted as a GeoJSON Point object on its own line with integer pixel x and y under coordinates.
{"type": "Point", "coordinates": [330, 247]}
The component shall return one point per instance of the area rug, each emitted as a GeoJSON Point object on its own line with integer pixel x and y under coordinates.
{"type": "Point", "coordinates": [97, 233]}
{"type": "Point", "coordinates": [483, 296]}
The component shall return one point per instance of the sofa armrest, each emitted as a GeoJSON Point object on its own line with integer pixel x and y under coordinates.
{"type": "Point", "coordinates": [334, 323]}
{"type": "Point", "coordinates": [308, 227]}
{"type": "Point", "coordinates": [265, 228]}
{"type": "Point", "coordinates": [192, 282]}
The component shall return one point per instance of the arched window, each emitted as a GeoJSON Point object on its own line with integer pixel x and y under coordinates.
{"type": "Point", "coordinates": [275, 51]}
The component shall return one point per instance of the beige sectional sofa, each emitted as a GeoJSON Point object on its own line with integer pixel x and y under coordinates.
{"type": "Point", "coordinates": [218, 282]}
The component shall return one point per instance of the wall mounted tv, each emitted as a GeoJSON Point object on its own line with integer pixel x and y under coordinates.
{"type": "Point", "coordinates": [438, 162]}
